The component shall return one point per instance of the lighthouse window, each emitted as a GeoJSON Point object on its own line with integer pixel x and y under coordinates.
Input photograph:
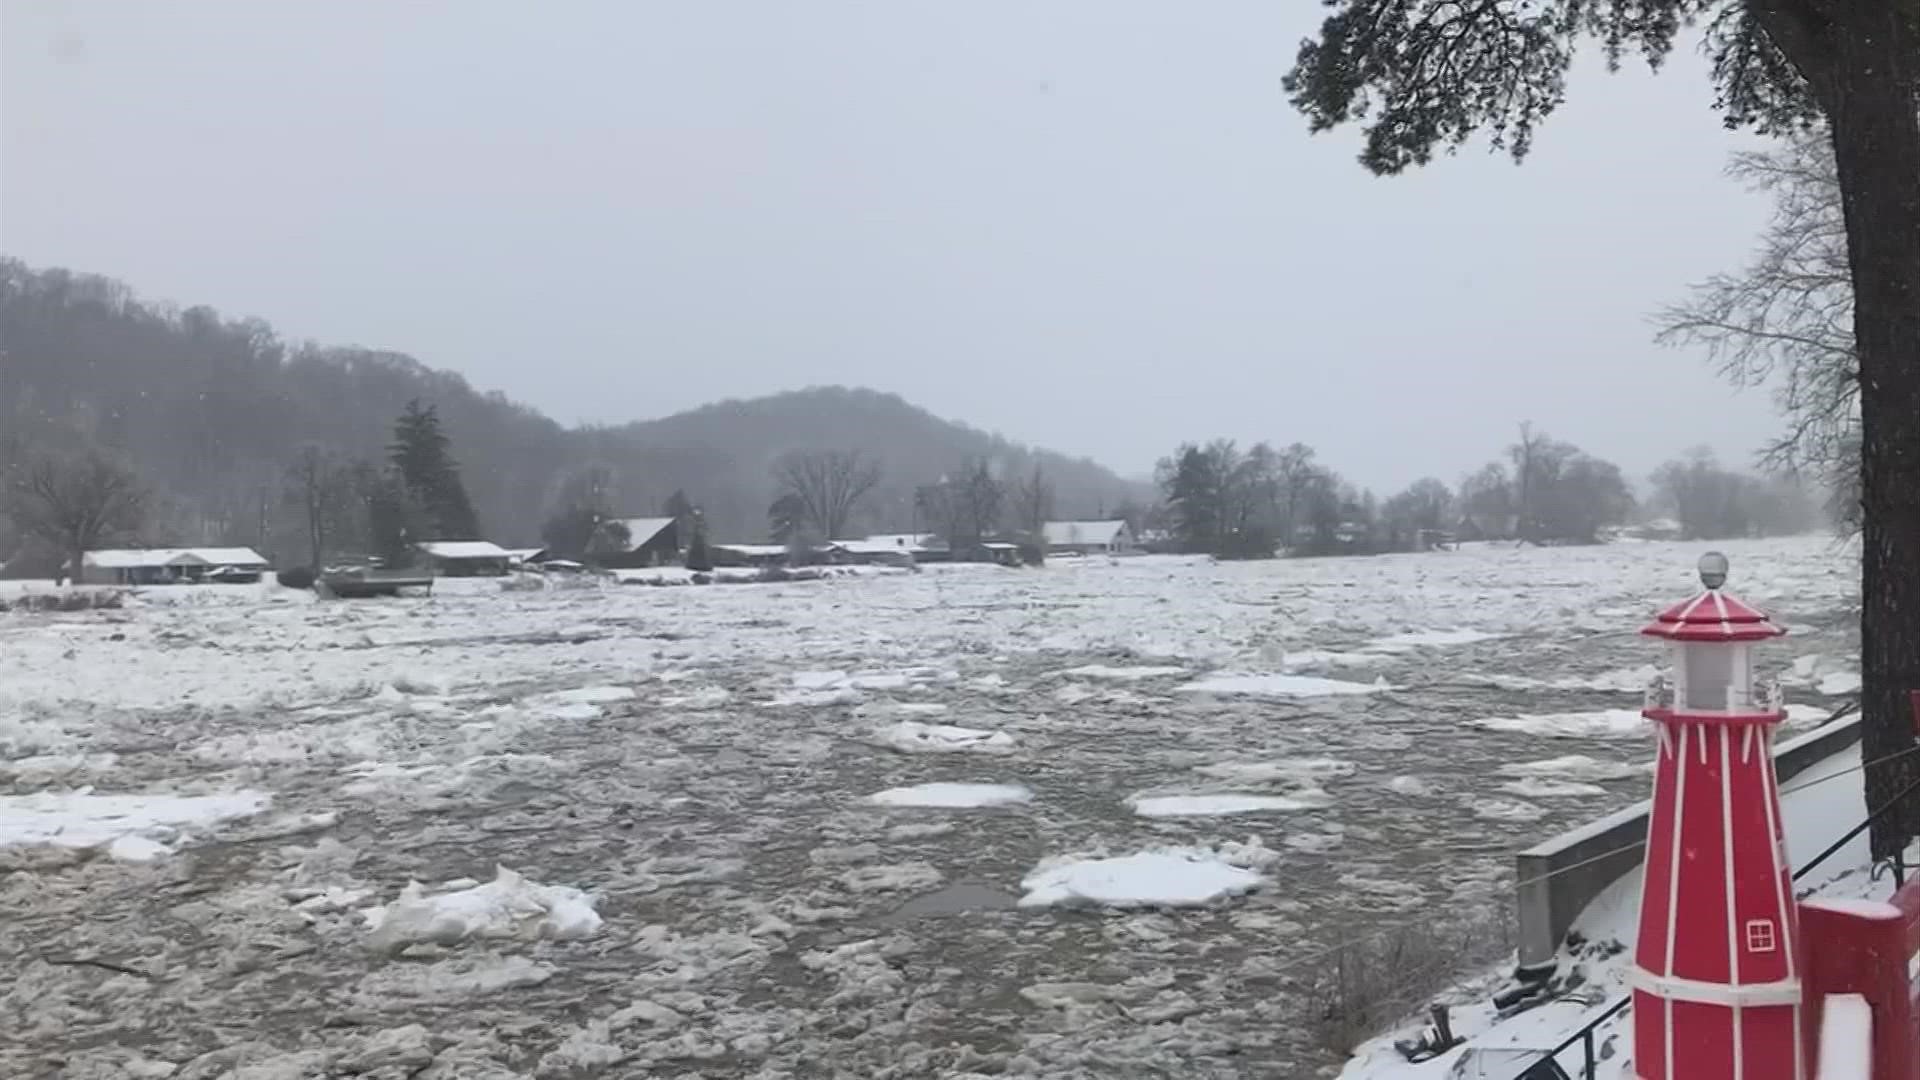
{"type": "Point", "coordinates": [1759, 935]}
{"type": "Point", "coordinates": [1709, 674]}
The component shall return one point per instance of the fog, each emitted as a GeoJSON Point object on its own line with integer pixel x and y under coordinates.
{"type": "Point", "coordinates": [1093, 226]}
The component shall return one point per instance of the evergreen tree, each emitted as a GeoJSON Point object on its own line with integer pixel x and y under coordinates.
{"type": "Point", "coordinates": [699, 558]}
{"type": "Point", "coordinates": [431, 477]}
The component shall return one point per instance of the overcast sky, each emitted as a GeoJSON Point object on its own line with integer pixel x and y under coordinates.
{"type": "Point", "coordinates": [1095, 226]}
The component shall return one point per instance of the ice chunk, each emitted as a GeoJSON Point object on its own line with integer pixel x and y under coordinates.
{"type": "Point", "coordinates": [1574, 767]}
{"type": "Point", "coordinates": [1171, 877]}
{"type": "Point", "coordinates": [1295, 770]}
{"type": "Point", "coordinates": [1607, 723]}
{"type": "Point", "coordinates": [1409, 785]}
{"type": "Point", "coordinates": [85, 820]}
{"type": "Point", "coordinates": [593, 695]}
{"type": "Point", "coordinates": [1507, 810]}
{"type": "Point", "coordinates": [1231, 802]}
{"type": "Point", "coordinates": [1537, 787]}
{"type": "Point", "coordinates": [509, 906]}
{"type": "Point", "coordinates": [913, 737]}
{"type": "Point", "coordinates": [1123, 674]}
{"type": "Point", "coordinates": [1840, 682]}
{"type": "Point", "coordinates": [1427, 639]}
{"type": "Point", "coordinates": [952, 795]}
{"type": "Point", "coordinates": [1280, 686]}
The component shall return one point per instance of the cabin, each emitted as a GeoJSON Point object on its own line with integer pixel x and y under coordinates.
{"type": "Point", "coordinates": [170, 566]}
{"type": "Point", "coordinates": [751, 554]}
{"type": "Point", "coordinates": [651, 541]}
{"type": "Point", "coordinates": [1089, 538]}
{"type": "Point", "coordinates": [463, 558]}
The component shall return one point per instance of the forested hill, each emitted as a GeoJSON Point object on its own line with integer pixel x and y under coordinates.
{"type": "Point", "coordinates": [212, 411]}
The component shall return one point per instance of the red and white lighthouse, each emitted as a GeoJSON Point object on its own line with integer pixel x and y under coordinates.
{"type": "Point", "coordinates": [1716, 990]}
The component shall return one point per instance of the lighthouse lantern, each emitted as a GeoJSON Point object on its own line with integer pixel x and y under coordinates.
{"type": "Point", "coordinates": [1716, 984]}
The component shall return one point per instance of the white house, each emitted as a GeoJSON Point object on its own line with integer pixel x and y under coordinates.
{"type": "Point", "coordinates": [165, 566]}
{"type": "Point", "coordinates": [1089, 538]}
{"type": "Point", "coordinates": [464, 558]}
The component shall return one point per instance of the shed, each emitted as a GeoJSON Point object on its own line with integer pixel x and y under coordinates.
{"type": "Point", "coordinates": [166, 566]}
{"type": "Point", "coordinates": [464, 558]}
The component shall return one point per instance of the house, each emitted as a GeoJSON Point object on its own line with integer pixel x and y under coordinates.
{"type": "Point", "coordinates": [653, 541]}
{"type": "Point", "coordinates": [463, 558]}
{"type": "Point", "coordinates": [167, 566]}
{"type": "Point", "coordinates": [749, 554]}
{"type": "Point", "coordinates": [526, 558]}
{"type": "Point", "coordinates": [892, 549]}
{"type": "Point", "coordinates": [1089, 538]}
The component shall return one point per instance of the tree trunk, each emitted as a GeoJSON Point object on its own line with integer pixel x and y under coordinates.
{"type": "Point", "coordinates": [1876, 140]}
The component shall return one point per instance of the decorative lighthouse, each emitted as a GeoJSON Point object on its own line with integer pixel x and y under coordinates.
{"type": "Point", "coordinates": [1716, 990]}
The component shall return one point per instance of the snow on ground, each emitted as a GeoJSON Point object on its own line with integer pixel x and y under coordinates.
{"type": "Point", "coordinates": [758, 916]}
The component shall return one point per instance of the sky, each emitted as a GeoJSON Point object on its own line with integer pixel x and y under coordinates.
{"type": "Point", "coordinates": [1091, 225]}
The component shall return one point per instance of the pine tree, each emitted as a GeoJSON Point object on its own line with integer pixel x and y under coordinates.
{"type": "Point", "coordinates": [431, 477]}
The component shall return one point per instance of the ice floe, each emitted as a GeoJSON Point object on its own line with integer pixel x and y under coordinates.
{"type": "Point", "coordinates": [913, 737]}
{"type": "Point", "coordinates": [1604, 724]}
{"type": "Point", "coordinates": [1272, 685]}
{"type": "Point", "coordinates": [952, 796]}
{"type": "Point", "coordinates": [1538, 787]}
{"type": "Point", "coordinates": [509, 906]}
{"type": "Point", "coordinates": [1222, 803]}
{"type": "Point", "coordinates": [1294, 770]}
{"type": "Point", "coordinates": [133, 827]}
{"type": "Point", "coordinates": [1170, 877]}
{"type": "Point", "coordinates": [1574, 767]}
{"type": "Point", "coordinates": [1123, 674]}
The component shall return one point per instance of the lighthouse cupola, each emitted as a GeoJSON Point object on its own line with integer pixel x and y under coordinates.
{"type": "Point", "coordinates": [1710, 641]}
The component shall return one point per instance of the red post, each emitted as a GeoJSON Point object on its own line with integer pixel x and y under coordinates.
{"type": "Point", "coordinates": [1861, 947]}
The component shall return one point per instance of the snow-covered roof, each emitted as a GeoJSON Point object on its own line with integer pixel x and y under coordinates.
{"type": "Point", "coordinates": [1084, 532]}
{"type": "Point", "coordinates": [895, 544]}
{"type": "Point", "coordinates": [754, 549]}
{"type": "Point", "coordinates": [892, 542]}
{"type": "Point", "coordinates": [131, 558]}
{"type": "Point", "coordinates": [462, 549]}
{"type": "Point", "coordinates": [523, 554]}
{"type": "Point", "coordinates": [641, 530]}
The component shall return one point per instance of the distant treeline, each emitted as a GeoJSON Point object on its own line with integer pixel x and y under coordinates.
{"type": "Point", "coordinates": [1262, 501]}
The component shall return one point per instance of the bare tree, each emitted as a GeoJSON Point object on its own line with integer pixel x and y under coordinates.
{"type": "Point", "coordinates": [1033, 504]}
{"type": "Point", "coordinates": [75, 505]}
{"type": "Point", "coordinates": [322, 487]}
{"type": "Point", "coordinates": [829, 485]}
{"type": "Point", "coordinates": [981, 497]}
{"type": "Point", "coordinates": [1786, 320]}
